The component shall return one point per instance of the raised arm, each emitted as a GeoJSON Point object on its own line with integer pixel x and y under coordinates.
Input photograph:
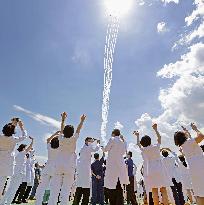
{"type": "Point", "coordinates": [108, 146]}
{"type": "Point", "coordinates": [187, 132]}
{"type": "Point", "coordinates": [57, 134]}
{"type": "Point", "coordinates": [83, 117]}
{"type": "Point", "coordinates": [63, 118]}
{"type": "Point", "coordinates": [200, 135]}
{"type": "Point", "coordinates": [24, 132]}
{"type": "Point", "coordinates": [30, 146]}
{"type": "Point", "coordinates": [137, 134]}
{"type": "Point", "coordinates": [154, 126]}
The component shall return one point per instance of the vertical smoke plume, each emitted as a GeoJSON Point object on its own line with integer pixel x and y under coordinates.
{"type": "Point", "coordinates": [111, 39]}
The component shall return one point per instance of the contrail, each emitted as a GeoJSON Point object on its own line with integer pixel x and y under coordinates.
{"type": "Point", "coordinates": [111, 40]}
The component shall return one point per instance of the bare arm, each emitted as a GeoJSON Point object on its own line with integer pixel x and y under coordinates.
{"type": "Point", "coordinates": [154, 126]}
{"type": "Point", "coordinates": [63, 116]}
{"type": "Point", "coordinates": [200, 135]}
{"type": "Point", "coordinates": [57, 134]}
{"type": "Point", "coordinates": [30, 146]}
{"type": "Point", "coordinates": [83, 117]}
{"type": "Point", "coordinates": [137, 134]}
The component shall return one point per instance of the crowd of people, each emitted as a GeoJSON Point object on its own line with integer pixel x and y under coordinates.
{"type": "Point", "coordinates": [111, 178]}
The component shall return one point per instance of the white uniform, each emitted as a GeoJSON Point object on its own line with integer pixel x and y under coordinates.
{"type": "Point", "coordinates": [16, 179]}
{"type": "Point", "coordinates": [7, 156]}
{"type": "Point", "coordinates": [195, 159]}
{"type": "Point", "coordinates": [115, 164]}
{"type": "Point", "coordinates": [84, 166]}
{"type": "Point", "coordinates": [29, 176]}
{"type": "Point", "coordinates": [185, 176]}
{"type": "Point", "coordinates": [47, 173]}
{"type": "Point", "coordinates": [65, 164]}
{"type": "Point", "coordinates": [155, 174]}
{"type": "Point", "coordinates": [172, 168]}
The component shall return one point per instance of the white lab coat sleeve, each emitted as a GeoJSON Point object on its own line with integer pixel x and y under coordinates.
{"type": "Point", "coordinates": [95, 148]}
{"type": "Point", "coordinates": [23, 137]}
{"type": "Point", "coordinates": [108, 146]}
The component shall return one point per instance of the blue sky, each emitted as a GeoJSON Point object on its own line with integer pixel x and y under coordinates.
{"type": "Point", "coordinates": [51, 60]}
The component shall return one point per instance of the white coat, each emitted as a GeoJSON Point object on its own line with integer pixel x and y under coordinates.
{"type": "Point", "coordinates": [115, 164]}
{"type": "Point", "coordinates": [7, 155]}
{"type": "Point", "coordinates": [84, 166]}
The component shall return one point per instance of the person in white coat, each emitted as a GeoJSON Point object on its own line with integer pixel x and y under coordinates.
{"type": "Point", "coordinates": [171, 165]}
{"type": "Point", "coordinates": [195, 159]}
{"type": "Point", "coordinates": [19, 173]}
{"type": "Point", "coordinates": [116, 171]}
{"type": "Point", "coordinates": [49, 169]}
{"type": "Point", "coordinates": [7, 145]}
{"type": "Point", "coordinates": [83, 179]}
{"type": "Point", "coordinates": [65, 163]}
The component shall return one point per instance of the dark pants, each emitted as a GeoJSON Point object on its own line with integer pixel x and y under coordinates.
{"type": "Point", "coordinates": [116, 195]}
{"type": "Point", "coordinates": [97, 191]}
{"type": "Point", "coordinates": [151, 202]}
{"type": "Point", "coordinates": [131, 192]}
{"type": "Point", "coordinates": [177, 192]}
{"type": "Point", "coordinates": [78, 195]}
{"type": "Point", "coordinates": [106, 195]}
{"type": "Point", "coordinates": [22, 193]}
{"type": "Point", "coordinates": [35, 186]}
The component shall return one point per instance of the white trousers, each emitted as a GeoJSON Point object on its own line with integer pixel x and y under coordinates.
{"type": "Point", "coordinates": [16, 180]}
{"type": "Point", "coordinates": [44, 185]}
{"type": "Point", "coordinates": [63, 182]}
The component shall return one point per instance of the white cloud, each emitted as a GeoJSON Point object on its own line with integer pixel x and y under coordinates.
{"type": "Point", "coordinates": [118, 125]}
{"type": "Point", "coordinates": [81, 54]}
{"type": "Point", "coordinates": [197, 13]}
{"type": "Point", "coordinates": [197, 31]}
{"type": "Point", "coordinates": [39, 117]}
{"type": "Point", "coordinates": [190, 63]}
{"type": "Point", "coordinates": [168, 1]}
{"type": "Point", "coordinates": [162, 27]}
{"type": "Point", "coordinates": [182, 101]}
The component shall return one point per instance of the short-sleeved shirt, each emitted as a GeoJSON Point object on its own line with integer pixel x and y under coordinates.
{"type": "Point", "coordinates": [130, 165]}
{"type": "Point", "coordinates": [68, 145]}
{"type": "Point", "coordinates": [97, 167]}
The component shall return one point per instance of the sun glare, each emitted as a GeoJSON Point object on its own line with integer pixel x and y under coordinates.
{"type": "Point", "coordinates": [118, 7]}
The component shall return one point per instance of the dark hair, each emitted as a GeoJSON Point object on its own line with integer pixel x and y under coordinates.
{"type": "Point", "coordinates": [183, 160]}
{"type": "Point", "coordinates": [202, 147]}
{"type": "Point", "coordinates": [68, 131]}
{"type": "Point", "coordinates": [116, 132]}
{"type": "Point", "coordinates": [54, 143]}
{"type": "Point", "coordinates": [96, 156]}
{"type": "Point", "coordinates": [88, 138]}
{"type": "Point", "coordinates": [165, 153]}
{"type": "Point", "coordinates": [8, 130]}
{"type": "Point", "coordinates": [27, 155]}
{"type": "Point", "coordinates": [145, 141]}
{"type": "Point", "coordinates": [21, 147]}
{"type": "Point", "coordinates": [130, 153]}
{"type": "Point", "coordinates": [179, 138]}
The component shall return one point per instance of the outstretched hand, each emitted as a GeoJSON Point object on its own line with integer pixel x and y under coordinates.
{"type": "Point", "coordinates": [136, 133]}
{"type": "Point", "coordinates": [154, 126]}
{"type": "Point", "coordinates": [83, 117]}
{"type": "Point", "coordinates": [194, 127]}
{"type": "Point", "coordinates": [64, 115]}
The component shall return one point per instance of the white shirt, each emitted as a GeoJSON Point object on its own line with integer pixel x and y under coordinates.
{"type": "Point", "coordinates": [7, 144]}
{"type": "Point", "coordinates": [20, 167]}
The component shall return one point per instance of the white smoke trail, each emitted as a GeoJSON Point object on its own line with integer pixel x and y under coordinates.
{"type": "Point", "coordinates": [111, 39]}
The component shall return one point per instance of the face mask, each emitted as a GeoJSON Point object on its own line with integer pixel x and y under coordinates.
{"type": "Point", "coordinates": [89, 143]}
